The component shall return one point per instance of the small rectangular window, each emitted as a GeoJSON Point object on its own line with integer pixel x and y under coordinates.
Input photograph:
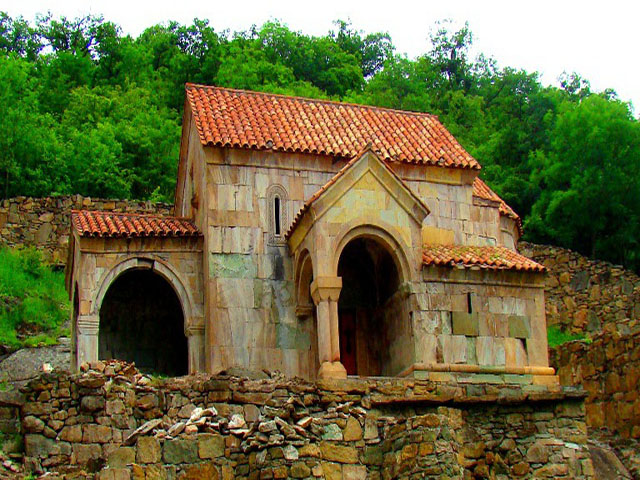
{"type": "Point", "coordinates": [276, 215]}
{"type": "Point", "coordinates": [469, 306]}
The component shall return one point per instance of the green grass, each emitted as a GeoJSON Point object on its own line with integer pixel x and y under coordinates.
{"type": "Point", "coordinates": [557, 337]}
{"type": "Point", "coordinates": [33, 301]}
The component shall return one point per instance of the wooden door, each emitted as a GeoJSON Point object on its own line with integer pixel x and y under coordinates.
{"type": "Point", "coordinates": [348, 352]}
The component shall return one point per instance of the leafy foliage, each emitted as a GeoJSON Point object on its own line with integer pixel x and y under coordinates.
{"type": "Point", "coordinates": [33, 301]}
{"type": "Point", "coordinates": [86, 109]}
{"type": "Point", "coordinates": [557, 337]}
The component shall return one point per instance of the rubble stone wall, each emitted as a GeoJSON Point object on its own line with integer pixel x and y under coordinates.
{"type": "Point", "coordinates": [119, 424]}
{"type": "Point", "coordinates": [586, 296]}
{"type": "Point", "coordinates": [602, 301]}
{"type": "Point", "coordinates": [44, 222]}
{"type": "Point", "coordinates": [608, 368]}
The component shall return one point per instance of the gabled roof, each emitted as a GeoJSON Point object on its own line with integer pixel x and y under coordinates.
{"type": "Point", "coordinates": [489, 257]}
{"type": "Point", "coordinates": [260, 121]}
{"type": "Point", "coordinates": [482, 190]}
{"type": "Point", "coordinates": [367, 150]}
{"type": "Point", "coordinates": [129, 225]}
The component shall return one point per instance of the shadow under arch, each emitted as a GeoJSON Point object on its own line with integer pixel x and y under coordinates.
{"type": "Point", "coordinates": [142, 309]}
{"type": "Point", "coordinates": [149, 263]}
{"type": "Point", "coordinates": [373, 312]}
{"type": "Point", "coordinates": [383, 234]}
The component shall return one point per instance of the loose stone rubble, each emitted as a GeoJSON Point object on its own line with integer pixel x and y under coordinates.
{"type": "Point", "coordinates": [111, 422]}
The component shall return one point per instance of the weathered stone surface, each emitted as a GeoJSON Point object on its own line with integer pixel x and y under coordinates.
{"type": "Point", "coordinates": [332, 432]}
{"type": "Point", "coordinates": [121, 457]}
{"type": "Point", "coordinates": [353, 430]}
{"type": "Point", "coordinates": [199, 472]}
{"type": "Point", "coordinates": [299, 470]}
{"type": "Point", "coordinates": [72, 433]}
{"type": "Point", "coordinates": [332, 471]}
{"type": "Point", "coordinates": [537, 453]}
{"type": "Point", "coordinates": [519, 326]}
{"type": "Point", "coordinates": [83, 454]}
{"type": "Point", "coordinates": [463, 323]}
{"type": "Point", "coordinates": [290, 452]}
{"type": "Point", "coordinates": [32, 424]}
{"type": "Point", "coordinates": [96, 434]}
{"type": "Point", "coordinates": [210, 446]}
{"type": "Point", "coordinates": [148, 450]}
{"type": "Point", "coordinates": [370, 429]}
{"type": "Point", "coordinates": [180, 451]}
{"type": "Point", "coordinates": [91, 403]}
{"type": "Point", "coordinates": [114, 474]}
{"type": "Point", "coordinates": [37, 446]}
{"type": "Point", "coordinates": [354, 472]}
{"type": "Point", "coordinates": [337, 453]}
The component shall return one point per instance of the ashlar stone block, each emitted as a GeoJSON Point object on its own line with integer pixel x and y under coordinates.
{"type": "Point", "coordinates": [463, 323]}
{"type": "Point", "coordinates": [519, 326]}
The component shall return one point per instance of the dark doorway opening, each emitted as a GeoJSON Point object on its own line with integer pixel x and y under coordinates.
{"type": "Point", "coordinates": [141, 321]}
{"type": "Point", "coordinates": [369, 309]}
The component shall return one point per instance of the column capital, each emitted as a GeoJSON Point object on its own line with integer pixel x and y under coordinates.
{"type": "Point", "coordinates": [194, 326]}
{"type": "Point", "coordinates": [88, 324]}
{"type": "Point", "coordinates": [194, 330]}
{"type": "Point", "coordinates": [326, 288]}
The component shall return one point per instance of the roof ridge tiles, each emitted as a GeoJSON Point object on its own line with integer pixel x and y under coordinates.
{"type": "Point", "coordinates": [312, 100]}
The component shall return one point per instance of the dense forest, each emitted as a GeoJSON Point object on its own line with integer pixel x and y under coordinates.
{"type": "Point", "coordinates": [87, 109]}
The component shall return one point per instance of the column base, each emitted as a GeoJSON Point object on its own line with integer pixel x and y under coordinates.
{"type": "Point", "coordinates": [332, 370]}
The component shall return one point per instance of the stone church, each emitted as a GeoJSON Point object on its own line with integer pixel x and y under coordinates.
{"type": "Point", "coordinates": [317, 238]}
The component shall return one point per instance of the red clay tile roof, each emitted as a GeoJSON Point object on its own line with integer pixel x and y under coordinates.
{"type": "Point", "coordinates": [335, 178]}
{"type": "Point", "coordinates": [242, 119]}
{"type": "Point", "coordinates": [109, 224]}
{"type": "Point", "coordinates": [493, 258]}
{"type": "Point", "coordinates": [482, 190]}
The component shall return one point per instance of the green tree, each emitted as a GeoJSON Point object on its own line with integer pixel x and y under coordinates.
{"type": "Point", "coordinates": [18, 37]}
{"type": "Point", "coordinates": [590, 181]}
{"type": "Point", "coordinates": [30, 153]}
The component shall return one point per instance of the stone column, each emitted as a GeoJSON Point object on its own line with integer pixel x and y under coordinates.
{"type": "Point", "coordinates": [195, 341]}
{"type": "Point", "coordinates": [335, 330]}
{"type": "Point", "coordinates": [325, 292]}
{"type": "Point", "coordinates": [87, 328]}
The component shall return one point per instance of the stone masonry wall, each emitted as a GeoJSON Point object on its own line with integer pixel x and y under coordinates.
{"type": "Point", "coordinates": [114, 423]}
{"type": "Point", "coordinates": [44, 222]}
{"type": "Point", "coordinates": [608, 368]}
{"type": "Point", "coordinates": [587, 296]}
{"type": "Point", "coordinates": [600, 300]}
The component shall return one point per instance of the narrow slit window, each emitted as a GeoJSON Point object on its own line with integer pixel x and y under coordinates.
{"type": "Point", "coordinates": [276, 215]}
{"type": "Point", "coordinates": [469, 306]}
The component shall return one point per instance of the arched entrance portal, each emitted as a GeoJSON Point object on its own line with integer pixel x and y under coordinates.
{"type": "Point", "coordinates": [141, 320]}
{"type": "Point", "coordinates": [369, 308]}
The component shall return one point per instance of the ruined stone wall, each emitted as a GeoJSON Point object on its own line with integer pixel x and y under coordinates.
{"type": "Point", "coordinates": [44, 222]}
{"type": "Point", "coordinates": [587, 296]}
{"type": "Point", "coordinates": [608, 368]}
{"type": "Point", "coordinates": [600, 300]}
{"type": "Point", "coordinates": [122, 425]}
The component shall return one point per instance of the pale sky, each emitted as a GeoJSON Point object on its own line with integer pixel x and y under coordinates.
{"type": "Point", "coordinates": [598, 40]}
